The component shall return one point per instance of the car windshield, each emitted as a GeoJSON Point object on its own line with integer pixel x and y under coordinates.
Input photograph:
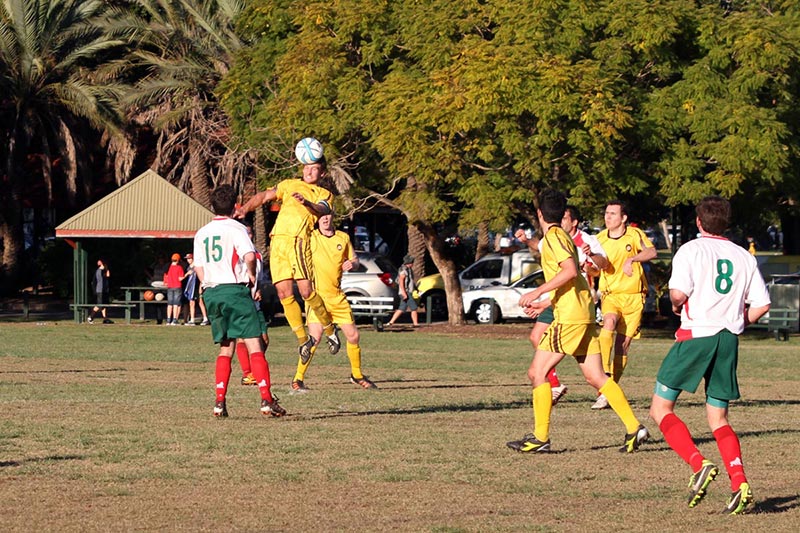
{"type": "Point", "coordinates": [531, 281]}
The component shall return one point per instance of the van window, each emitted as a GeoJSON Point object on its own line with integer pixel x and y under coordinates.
{"type": "Point", "coordinates": [491, 268]}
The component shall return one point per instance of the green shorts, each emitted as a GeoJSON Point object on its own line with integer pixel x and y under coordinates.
{"type": "Point", "coordinates": [711, 358]}
{"type": "Point", "coordinates": [232, 312]}
{"type": "Point", "coordinates": [546, 316]}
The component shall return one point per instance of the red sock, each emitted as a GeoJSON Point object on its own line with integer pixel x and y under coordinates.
{"type": "Point", "coordinates": [222, 376]}
{"type": "Point", "coordinates": [731, 452]}
{"type": "Point", "coordinates": [679, 439]}
{"type": "Point", "coordinates": [553, 378]}
{"type": "Point", "coordinates": [244, 358]}
{"type": "Point", "coordinates": [261, 373]}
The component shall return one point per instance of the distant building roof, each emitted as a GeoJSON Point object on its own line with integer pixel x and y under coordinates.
{"type": "Point", "coordinates": [148, 206]}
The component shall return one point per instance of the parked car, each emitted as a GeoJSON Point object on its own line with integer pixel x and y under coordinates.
{"type": "Point", "coordinates": [490, 270]}
{"type": "Point", "coordinates": [375, 277]}
{"type": "Point", "coordinates": [497, 302]}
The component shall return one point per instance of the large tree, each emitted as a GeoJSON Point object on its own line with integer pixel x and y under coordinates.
{"type": "Point", "coordinates": [729, 124]}
{"type": "Point", "coordinates": [458, 113]}
{"type": "Point", "coordinates": [57, 90]}
{"type": "Point", "coordinates": [182, 50]}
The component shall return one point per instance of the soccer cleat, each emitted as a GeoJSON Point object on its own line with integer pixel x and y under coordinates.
{"type": "Point", "coordinates": [220, 409]}
{"type": "Point", "coordinates": [107, 321]}
{"type": "Point", "coordinates": [363, 381]}
{"type": "Point", "coordinates": [205, 322]}
{"type": "Point", "coordinates": [558, 393]}
{"type": "Point", "coordinates": [89, 320]}
{"type": "Point", "coordinates": [601, 403]}
{"type": "Point", "coordinates": [529, 444]}
{"type": "Point", "coordinates": [333, 342]}
{"type": "Point", "coordinates": [298, 387]}
{"type": "Point", "coordinates": [305, 349]}
{"type": "Point", "coordinates": [189, 323]}
{"type": "Point", "coordinates": [700, 481]}
{"type": "Point", "coordinates": [635, 439]}
{"type": "Point", "coordinates": [272, 408]}
{"type": "Point", "coordinates": [249, 380]}
{"type": "Point", "coordinates": [739, 500]}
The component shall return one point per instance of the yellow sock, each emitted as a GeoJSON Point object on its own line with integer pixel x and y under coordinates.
{"type": "Point", "coordinates": [606, 345]}
{"type": "Point", "coordinates": [620, 362]}
{"type": "Point", "coordinates": [619, 403]}
{"type": "Point", "coordinates": [315, 302]}
{"type": "Point", "coordinates": [542, 405]}
{"type": "Point", "coordinates": [354, 354]}
{"type": "Point", "coordinates": [302, 368]}
{"type": "Point", "coordinates": [294, 316]}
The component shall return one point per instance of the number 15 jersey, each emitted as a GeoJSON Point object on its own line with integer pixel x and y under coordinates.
{"type": "Point", "coordinates": [718, 277]}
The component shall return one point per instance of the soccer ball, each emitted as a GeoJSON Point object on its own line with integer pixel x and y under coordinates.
{"type": "Point", "coordinates": [308, 150]}
{"type": "Point", "coordinates": [149, 295]}
{"type": "Point", "coordinates": [159, 296]}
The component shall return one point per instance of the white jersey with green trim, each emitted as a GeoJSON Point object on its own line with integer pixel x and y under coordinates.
{"type": "Point", "coordinates": [718, 277]}
{"type": "Point", "coordinates": [219, 249]}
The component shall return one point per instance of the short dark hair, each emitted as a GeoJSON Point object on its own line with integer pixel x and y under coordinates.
{"type": "Point", "coordinates": [573, 212]}
{"type": "Point", "coordinates": [623, 207]}
{"type": "Point", "coordinates": [552, 204]}
{"type": "Point", "coordinates": [223, 200]}
{"type": "Point", "coordinates": [714, 213]}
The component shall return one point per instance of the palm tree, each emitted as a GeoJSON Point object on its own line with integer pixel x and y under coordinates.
{"type": "Point", "coordinates": [185, 48]}
{"type": "Point", "coordinates": [57, 64]}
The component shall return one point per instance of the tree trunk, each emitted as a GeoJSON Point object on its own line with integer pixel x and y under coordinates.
{"type": "Point", "coordinates": [11, 230]}
{"type": "Point", "coordinates": [198, 174]}
{"type": "Point", "coordinates": [483, 246]}
{"type": "Point", "coordinates": [416, 247]}
{"type": "Point", "coordinates": [447, 268]}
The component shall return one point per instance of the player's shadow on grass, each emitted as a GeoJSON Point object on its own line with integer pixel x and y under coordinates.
{"type": "Point", "coordinates": [778, 504]}
{"type": "Point", "coordinates": [423, 410]}
{"type": "Point", "coordinates": [4, 464]}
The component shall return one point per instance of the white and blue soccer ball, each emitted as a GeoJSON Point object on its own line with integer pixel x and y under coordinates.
{"type": "Point", "coordinates": [308, 150]}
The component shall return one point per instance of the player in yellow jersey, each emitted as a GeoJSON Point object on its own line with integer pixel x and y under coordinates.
{"type": "Point", "coordinates": [302, 203]}
{"type": "Point", "coordinates": [572, 332]}
{"type": "Point", "coordinates": [623, 288]}
{"type": "Point", "coordinates": [333, 254]}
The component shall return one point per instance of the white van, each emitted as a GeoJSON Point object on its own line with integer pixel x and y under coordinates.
{"type": "Point", "coordinates": [498, 269]}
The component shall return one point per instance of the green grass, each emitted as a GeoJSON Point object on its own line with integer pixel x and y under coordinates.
{"type": "Point", "coordinates": [110, 428]}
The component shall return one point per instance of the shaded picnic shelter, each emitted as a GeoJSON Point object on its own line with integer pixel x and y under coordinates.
{"type": "Point", "coordinates": [146, 207]}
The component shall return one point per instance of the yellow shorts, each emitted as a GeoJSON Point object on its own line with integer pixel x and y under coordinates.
{"type": "Point", "coordinates": [571, 339]}
{"type": "Point", "coordinates": [338, 307]}
{"type": "Point", "coordinates": [628, 307]}
{"type": "Point", "coordinates": [290, 258]}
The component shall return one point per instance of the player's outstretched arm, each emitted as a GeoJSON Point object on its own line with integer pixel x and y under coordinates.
{"type": "Point", "coordinates": [257, 200]}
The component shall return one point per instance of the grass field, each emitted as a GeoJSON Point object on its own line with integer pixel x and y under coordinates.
{"type": "Point", "coordinates": [109, 428]}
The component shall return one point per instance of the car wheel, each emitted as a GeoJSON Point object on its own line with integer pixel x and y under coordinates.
{"type": "Point", "coordinates": [486, 312]}
{"type": "Point", "coordinates": [438, 304]}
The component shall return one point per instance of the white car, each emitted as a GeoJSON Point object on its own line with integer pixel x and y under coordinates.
{"type": "Point", "coordinates": [494, 303]}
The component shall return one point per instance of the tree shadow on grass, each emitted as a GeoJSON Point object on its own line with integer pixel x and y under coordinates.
{"type": "Point", "coordinates": [659, 445]}
{"type": "Point", "coordinates": [78, 371]}
{"type": "Point", "coordinates": [47, 459]}
{"type": "Point", "coordinates": [423, 410]}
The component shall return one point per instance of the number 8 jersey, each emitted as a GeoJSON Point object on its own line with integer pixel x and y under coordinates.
{"type": "Point", "coordinates": [718, 277]}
